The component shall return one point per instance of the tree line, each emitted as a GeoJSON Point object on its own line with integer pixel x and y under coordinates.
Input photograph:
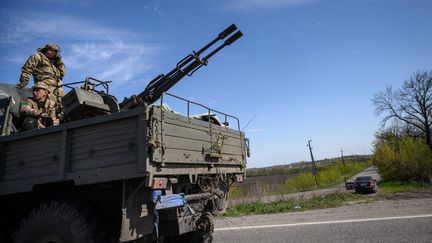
{"type": "Point", "coordinates": [403, 146]}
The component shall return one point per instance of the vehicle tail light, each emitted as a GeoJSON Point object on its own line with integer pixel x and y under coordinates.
{"type": "Point", "coordinates": [159, 183]}
{"type": "Point", "coordinates": [239, 178]}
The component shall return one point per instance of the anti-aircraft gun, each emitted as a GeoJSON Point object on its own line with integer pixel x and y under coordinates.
{"type": "Point", "coordinates": [87, 101]}
{"type": "Point", "coordinates": [128, 172]}
{"type": "Point", "coordinates": [187, 66]}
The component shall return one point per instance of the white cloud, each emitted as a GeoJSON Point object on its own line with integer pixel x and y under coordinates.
{"type": "Point", "coordinates": [88, 48]}
{"type": "Point", "coordinates": [19, 27]}
{"type": "Point", "coordinates": [113, 60]}
{"type": "Point", "coordinates": [63, 2]}
{"type": "Point", "coordinates": [155, 9]}
{"type": "Point", "coordinates": [266, 4]}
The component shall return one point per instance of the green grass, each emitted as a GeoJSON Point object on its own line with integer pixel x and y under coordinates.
{"type": "Point", "coordinates": [385, 188]}
{"type": "Point", "coordinates": [237, 192]}
{"type": "Point", "coordinates": [391, 187]}
{"type": "Point", "coordinates": [329, 175]}
{"type": "Point", "coordinates": [327, 201]}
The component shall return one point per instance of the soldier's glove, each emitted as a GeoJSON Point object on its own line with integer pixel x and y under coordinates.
{"type": "Point", "coordinates": [60, 114]}
{"type": "Point", "coordinates": [43, 115]}
{"type": "Point", "coordinates": [46, 119]}
{"type": "Point", "coordinates": [19, 86]}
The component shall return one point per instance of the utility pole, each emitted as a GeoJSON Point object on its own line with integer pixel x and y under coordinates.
{"type": "Point", "coordinates": [343, 160]}
{"type": "Point", "coordinates": [314, 168]}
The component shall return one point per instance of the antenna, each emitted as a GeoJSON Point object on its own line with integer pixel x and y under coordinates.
{"type": "Point", "coordinates": [250, 120]}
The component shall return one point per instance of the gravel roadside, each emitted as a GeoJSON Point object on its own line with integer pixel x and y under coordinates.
{"type": "Point", "coordinates": [400, 204]}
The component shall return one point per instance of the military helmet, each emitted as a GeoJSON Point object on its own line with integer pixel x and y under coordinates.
{"type": "Point", "coordinates": [40, 85]}
{"type": "Point", "coordinates": [51, 46]}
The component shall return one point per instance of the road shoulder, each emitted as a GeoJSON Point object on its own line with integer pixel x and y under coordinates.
{"type": "Point", "coordinates": [399, 204]}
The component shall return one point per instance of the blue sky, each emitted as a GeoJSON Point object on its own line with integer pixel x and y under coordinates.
{"type": "Point", "coordinates": [304, 69]}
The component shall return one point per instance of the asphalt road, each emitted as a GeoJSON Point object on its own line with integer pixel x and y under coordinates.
{"type": "Point", "coordinates": [370, 171]}
{"type": "Point", "coordinates": [401, 218]}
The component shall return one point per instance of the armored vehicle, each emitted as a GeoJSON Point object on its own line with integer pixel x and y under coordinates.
{"type": "Point", "coordinates": [134, 171]}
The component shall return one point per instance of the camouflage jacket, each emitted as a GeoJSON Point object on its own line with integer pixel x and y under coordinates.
{"type": "Point", "coordinates": [31, 107]}
{"type": "Point", "coordinates": [43, 70]}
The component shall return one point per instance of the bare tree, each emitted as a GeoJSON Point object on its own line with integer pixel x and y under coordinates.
{"type": "Point", "coordinates": [410, 105]}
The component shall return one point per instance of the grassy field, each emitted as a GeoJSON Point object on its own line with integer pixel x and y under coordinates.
{"type": "Point", "coordinates": [299, 167]}
{"type": "Point", "coordinates": [329, 174]}
{"type": "Point", "coordinates": [391, 187]}
{"type": "Point", "coordinates": [331, 200]}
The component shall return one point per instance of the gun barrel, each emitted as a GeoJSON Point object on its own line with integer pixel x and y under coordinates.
{"type": "Point", "coordinates": [233, 38]}
{"type": "Point", "coordinates": [222, 35]}
{"type": "Point", "coordinates": [228, 42]}
{"type": "Point", "coordinates": [186, 66]}
{"type": "Point", "coordinates": [227, 31]}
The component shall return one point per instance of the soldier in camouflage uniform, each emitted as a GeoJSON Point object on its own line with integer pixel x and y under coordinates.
{"type": "Point", "coordinates": [47, 67]}
{"type": "Point", "coordinates": [38, 111]}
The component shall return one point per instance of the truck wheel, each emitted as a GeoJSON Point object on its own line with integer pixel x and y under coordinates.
{"type": "Point", "coordinates": [192, 237]}
{"type": "Point", "coordinates": [205, 226]}
{"type": "Point", "coordinates": [57, 222]}
{"type": "Point", "coordinates": [203, 233]}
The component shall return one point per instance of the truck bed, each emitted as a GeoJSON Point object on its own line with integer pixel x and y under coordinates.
{"type": "Point", "coordinates": [142, 142]}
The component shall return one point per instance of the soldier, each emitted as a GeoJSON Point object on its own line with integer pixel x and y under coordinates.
{"type": "Point", "coordinates": [38, 111]}
{"type": "Point", "coordinates": [47, 67]}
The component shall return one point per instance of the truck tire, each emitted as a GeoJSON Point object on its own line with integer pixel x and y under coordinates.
{"type": "Point", "coordinates": [59, 222]}
{"type": "Point", "coordinates": [191, 237]}
{"type": "Point", "coordinates": [205, 225]}
{"type": "Point", "coordinates": [203, 234]}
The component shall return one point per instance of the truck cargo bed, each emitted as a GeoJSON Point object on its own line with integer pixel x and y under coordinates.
{"type": "Point", "coordinates": [145, 141]}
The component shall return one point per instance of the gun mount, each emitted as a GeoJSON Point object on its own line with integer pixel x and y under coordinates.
{"type": "Point", "coordinates": [88, 100]}
{"type": "Point", "coordinates": [186, 67]}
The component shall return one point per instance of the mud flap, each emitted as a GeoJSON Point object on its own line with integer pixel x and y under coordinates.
{"type": "Point", "coordinates": [173, 201]}
{"type": "Point", "coordinates": [137, 217]}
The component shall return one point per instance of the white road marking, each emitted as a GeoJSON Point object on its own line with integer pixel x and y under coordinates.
{"type": "Point", "coordinates": [323, 222]}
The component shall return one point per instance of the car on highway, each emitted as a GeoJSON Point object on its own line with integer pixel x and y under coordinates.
{"type": "Point", "coordinates": [365, 184]}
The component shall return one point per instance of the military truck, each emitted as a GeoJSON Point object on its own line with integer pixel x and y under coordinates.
{"type": "Point", "coordinates": [134, 171]}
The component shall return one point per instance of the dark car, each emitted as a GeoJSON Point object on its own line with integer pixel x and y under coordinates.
{"type": "Point", "coordinates": [364, 184]}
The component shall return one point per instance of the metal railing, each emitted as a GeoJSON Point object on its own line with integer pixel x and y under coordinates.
{"type": "Point", "coordinates": [210, 111]}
